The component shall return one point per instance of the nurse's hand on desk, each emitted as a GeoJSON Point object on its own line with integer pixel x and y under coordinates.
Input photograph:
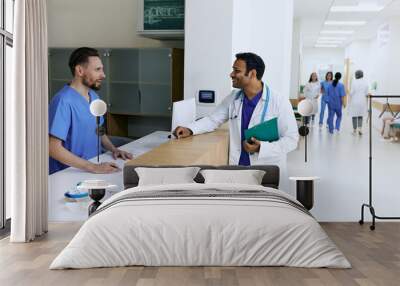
{"type": "Point", "coordinates": [252, 148]}
{"type": "Point", "coordinates": [104, 168]}
{"type": "Point", "coordinates": [121, 154]}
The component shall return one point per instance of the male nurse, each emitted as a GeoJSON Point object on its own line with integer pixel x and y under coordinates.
{"type": "Point", "coordinates": [72, 128]}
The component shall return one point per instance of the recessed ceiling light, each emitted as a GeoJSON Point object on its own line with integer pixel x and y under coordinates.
{"type": "Point", "coordinates": [345, 23]}
{"type": "Point", "coordinates": [359, 8]}
{"type": "Point", "coordinates": [332, 38]}
{"type": "Point", "coordinates": [328, 42]}
{"type": "Point", "coordinates": [345, 32]}
{"type": "Point", "coordinates": [325, 46]}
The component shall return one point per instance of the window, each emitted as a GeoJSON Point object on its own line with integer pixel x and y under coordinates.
{"type": "Point", "coordinates": [6, 44]}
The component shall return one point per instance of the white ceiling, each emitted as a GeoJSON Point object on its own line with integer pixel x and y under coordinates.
{"type": "Point", "coordinates": [311, 15]}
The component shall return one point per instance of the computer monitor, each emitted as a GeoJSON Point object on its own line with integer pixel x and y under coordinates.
{"type": "Point", "coordinates": [183, 113]}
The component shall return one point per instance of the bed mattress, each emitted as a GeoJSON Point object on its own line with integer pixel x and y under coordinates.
{"type": "Point", "coordinates": [201, 225]}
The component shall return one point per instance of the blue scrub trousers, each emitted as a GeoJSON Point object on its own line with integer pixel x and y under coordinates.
{"type": "Point", "coordinates": [332, 111]}
{"type": "Point", "coordinates": [322, 112]}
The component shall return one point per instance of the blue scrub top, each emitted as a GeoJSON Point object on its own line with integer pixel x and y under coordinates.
{"type": "Point", "coordinates": [325, 85]}
{"type": "Point", "coordinates": [247, 111]}
{"type": "Point", "coordinates": [70, 120]}
{"type": "Point", "coordinates": [334, 96]}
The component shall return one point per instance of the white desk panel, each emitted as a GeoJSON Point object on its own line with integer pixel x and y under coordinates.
{"type": "Point", "coordinates": [63, 210]}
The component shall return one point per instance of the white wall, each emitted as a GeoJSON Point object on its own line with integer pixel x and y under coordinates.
{"type": "Point", "coordinates": [97, 23]}
{"type": "Point", "coordinates": [359, 53]}
{"type": "Point", "coordinates": [208, 49]}
{"type": "Point", "coordinates": [379, 61]}
{"type": "Point", "coordinates": [386, 61]}
{"type": "Point", "coordinates": [314, 58]}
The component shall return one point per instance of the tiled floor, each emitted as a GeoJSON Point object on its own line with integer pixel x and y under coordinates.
{"type": "Point", "coordinates": [341, 162]}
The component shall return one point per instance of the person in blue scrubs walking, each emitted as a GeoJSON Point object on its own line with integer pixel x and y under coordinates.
{"type": "Point", "coordinates": [335, 95]}
{"type": "Point", "coordinates": [324, 87]}
{"type": "Point", "coordinates": [72, 128]}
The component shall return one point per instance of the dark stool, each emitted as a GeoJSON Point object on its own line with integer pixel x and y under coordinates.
{"type": "Point", "coordinates": [96, 195]}
{"type": "Point", "coordinates": [305, 190]}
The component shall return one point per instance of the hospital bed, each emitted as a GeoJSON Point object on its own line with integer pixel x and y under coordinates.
{"type": "Point", "coordinates": [201, 224]}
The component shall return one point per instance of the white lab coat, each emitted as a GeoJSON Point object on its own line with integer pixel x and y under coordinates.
{"type": "Point", "coordinates": [311, 92]}
{"type": "Point", "coordinates": [358, 98]}
{"type": "Point", "coordinates": [271, 153]}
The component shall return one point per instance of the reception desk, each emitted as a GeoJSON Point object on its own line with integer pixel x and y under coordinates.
{"type": "Point", "coordinates": [153, 149]}
{"type": "Point", "coordinates": [205, 149]}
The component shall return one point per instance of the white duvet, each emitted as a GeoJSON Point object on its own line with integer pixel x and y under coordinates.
{"type": "Point", "coordinates": [192, 231]}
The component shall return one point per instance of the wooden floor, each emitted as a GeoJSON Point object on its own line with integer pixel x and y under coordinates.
{"type": "Point", "coordinates": [374, 255]}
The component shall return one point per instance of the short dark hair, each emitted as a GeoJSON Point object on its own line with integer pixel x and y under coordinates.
{"type": "Point", "coordinates": [359, 74]}
{"type": "Point", "coordinates": [81, 56]}
{"type": "Point", "coordinates": [253, 61]}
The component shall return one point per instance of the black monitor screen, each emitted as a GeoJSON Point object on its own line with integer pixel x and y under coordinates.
{"type": "Point", "coordinates": [206, 96]}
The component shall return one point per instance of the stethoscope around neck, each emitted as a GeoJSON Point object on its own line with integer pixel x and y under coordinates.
{"type": "Point", "coordinates": [235, 113]}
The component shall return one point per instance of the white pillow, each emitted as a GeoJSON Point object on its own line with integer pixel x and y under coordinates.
{"type": "Point", "coordinates": [248, 177]}
{"type": "Point", "coordinates": [164, 176]}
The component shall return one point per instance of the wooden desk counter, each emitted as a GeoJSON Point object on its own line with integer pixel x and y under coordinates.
{"type": "Point", "coordinates": [381, 104]}
{"type": "Point", "coordinates": [205, 149]}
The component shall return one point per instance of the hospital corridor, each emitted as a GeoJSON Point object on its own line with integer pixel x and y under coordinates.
{"type": "Point", "coordinates": [342, 161]}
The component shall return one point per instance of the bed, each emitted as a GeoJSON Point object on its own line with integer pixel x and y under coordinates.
{"type": "Point", "coordinates": [201, 224]}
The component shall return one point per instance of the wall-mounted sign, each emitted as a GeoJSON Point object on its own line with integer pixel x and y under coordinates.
{"type": "Point", "coordinates": [164, 14]}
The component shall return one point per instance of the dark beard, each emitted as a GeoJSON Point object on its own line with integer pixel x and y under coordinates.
{"type": "Point", "coordinates": [91, 86]}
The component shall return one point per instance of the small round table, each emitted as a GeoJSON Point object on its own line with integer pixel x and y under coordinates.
{"type": "Point", "coordinates": [305, 190]}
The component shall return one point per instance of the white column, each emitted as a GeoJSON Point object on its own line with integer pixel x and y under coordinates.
{"type": "Point", "coordinates": [296, 59]}
{"type": "Point", "coordinates": [216, 30]}
{"type": "Point", "coordinates": [265, 28]}
{"type": "Point", "coordinates": [208, 49]}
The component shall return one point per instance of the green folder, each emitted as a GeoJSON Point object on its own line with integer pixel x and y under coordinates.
{"type": "Point", "coordinates": [265, 131]}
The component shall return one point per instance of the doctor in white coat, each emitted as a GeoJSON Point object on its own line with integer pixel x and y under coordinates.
{"type": "Point", "coordinates": [252, 104]}
{"type": "Point", "coordinates": [358, 101]}
{"type": "Point", "coordinates": [311, 91]}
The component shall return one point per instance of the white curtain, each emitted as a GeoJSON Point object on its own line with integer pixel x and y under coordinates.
{"type": "Point", "coordinates": [26, 123]}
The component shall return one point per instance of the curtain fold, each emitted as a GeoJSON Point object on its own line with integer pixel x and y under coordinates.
{"type": "Point", "coordinates": [27, 136]}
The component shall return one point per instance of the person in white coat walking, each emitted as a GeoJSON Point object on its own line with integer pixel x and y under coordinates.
{"type": "Point", "coordinates": [312, 91]}
{"type": "Point", "coordinates": [358, 101]}
{"type": "Point", "coordinates": [252, 104]}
